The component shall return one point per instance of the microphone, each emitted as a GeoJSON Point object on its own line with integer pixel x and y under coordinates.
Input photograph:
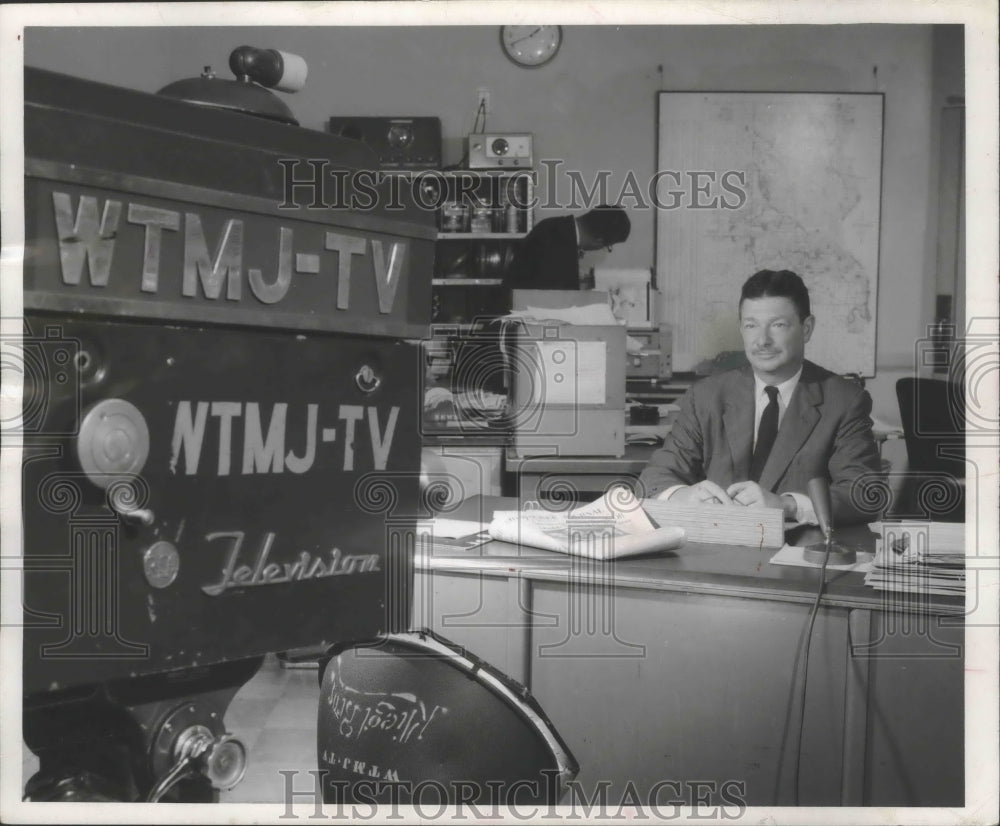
{"type": "Point", "coordinates": [819, 493]}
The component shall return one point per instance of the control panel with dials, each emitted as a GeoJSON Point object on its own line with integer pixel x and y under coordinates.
{"type": "Point", "coordinates": [500, 151]}
{"type": "Point", "coordinates": [401, 142]}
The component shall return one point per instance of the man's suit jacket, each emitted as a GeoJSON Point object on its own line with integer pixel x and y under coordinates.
{"type": "Point", "coordinates": [826, 431]}
{"type": "Point", "coordinates": [547, 258]}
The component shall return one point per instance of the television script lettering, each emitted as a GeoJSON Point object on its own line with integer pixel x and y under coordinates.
{"type": "Point", "coordinates": [399, 715]}
{"type": "Point", "coordinates": [262, 572]}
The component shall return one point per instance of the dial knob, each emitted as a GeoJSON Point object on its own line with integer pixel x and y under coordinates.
{"type": "Point", "coordinates": [113, 441]}
{"type": "Point", "coordinates": [399, 136]}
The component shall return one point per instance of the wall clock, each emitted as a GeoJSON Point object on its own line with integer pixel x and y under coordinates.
{"type": "Point", "coordinates": [530, 46]}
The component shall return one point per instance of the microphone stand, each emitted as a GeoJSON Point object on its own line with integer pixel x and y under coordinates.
{"type": "Point", "coordinates": [828, 550]}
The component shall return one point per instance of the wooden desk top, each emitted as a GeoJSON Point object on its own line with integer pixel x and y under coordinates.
{"type": "Point", "coordinates": [692, 568]}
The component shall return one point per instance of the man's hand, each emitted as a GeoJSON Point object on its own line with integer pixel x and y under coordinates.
{"type": "Point", "coordinates": [703, 493]}
{"type": "Point", "coordinates": [753, 495]}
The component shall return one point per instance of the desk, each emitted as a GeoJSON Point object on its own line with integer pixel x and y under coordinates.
{"type": "Point", "coordinates": [576, 477]}
{"type": "Point", "coordinates": [677, 666]}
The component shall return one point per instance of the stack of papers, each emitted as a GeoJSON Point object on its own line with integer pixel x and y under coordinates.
{"type": "Point", "coordinates": [588, 315]}
{"type": "Point", "coordinates": [919, 557]}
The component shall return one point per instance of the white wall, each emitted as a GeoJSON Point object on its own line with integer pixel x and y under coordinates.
{"type": "Point", "coordinates": [595, 106]}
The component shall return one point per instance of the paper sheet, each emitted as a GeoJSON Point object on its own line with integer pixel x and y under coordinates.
{"type": "Point", "coordinates": [628, 291]}
{"type": "Point", "coordinates": [448, 537]}
{"type": "Point", "coordinates": [792, 555]}
{"type": "Point", "coordinates": [449, 528]}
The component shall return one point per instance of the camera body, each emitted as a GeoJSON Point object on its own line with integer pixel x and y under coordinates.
{"type": "Point", "coordinates": [220, 425]}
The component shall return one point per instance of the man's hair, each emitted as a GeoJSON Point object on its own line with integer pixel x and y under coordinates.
{"type": "Point", "coordinates": [610, 224]}
{"type": "Point", "coordinates": [778, 284]}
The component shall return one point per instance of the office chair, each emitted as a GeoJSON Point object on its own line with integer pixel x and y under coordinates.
{"type": "Point", "coordinates": [933, 417]}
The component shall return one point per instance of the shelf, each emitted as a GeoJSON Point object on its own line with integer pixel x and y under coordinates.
{"type": "Point", "coordinates": [466, 282]}
{"type": "Point", "coordinates": [492, 172]}
{"type": "Point", "coordinates": [504, 172]}
{"type": "Point", "coordinates": [480, 236]}
{"type": "Point", "coordinates": [443, 329]}
{"type": "Point", "coordinates": [484, 438]}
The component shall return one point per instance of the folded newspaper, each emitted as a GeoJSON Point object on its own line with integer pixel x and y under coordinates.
{"type": "Point", "coordinates": [611, 527]}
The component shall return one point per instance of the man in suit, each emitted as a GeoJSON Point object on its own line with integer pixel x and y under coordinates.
{"type": "Point", "coordinates": [756, 435]}
{"type": "Point", "coordinates": [549, 256]}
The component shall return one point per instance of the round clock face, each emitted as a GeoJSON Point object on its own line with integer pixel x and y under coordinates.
{"type": "Point", "coordinates": [530, 45]}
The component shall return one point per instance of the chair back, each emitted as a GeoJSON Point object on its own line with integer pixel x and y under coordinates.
{"type": "Point", "coordinates": [933, 417]}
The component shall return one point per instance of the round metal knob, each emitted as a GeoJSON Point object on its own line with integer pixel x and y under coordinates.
{"type": "Point", "coordinates": [193, 742]}
{"type": "Point", "coordinates": [113, 441]}
{"type": "Point", "coordinates": [225, 762]}
{"type": "Point", "coordinates": [367, 380]}
{"type": "Point", "coordinates": [160, 564]}
{"type": "Point", "coordinates": [220, 758]}
{"type": "Point", "coordinates": [399, 137]}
